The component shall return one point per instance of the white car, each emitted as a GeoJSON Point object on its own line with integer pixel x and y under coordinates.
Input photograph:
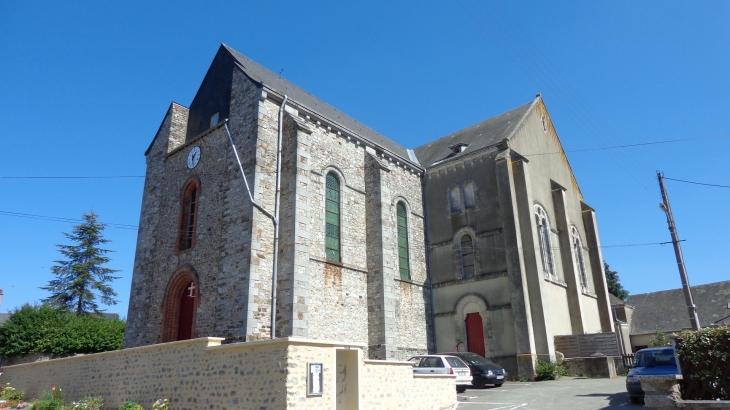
{"type": "Point", "coordinates": [443, 364]}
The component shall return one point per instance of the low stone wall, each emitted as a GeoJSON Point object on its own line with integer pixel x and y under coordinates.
{"type": "Point", "coordinates": [202, 373]}
{"type": "Point", "coordinates": [662, 392]}
{"type": "Point", "coordinates": [598, 367]}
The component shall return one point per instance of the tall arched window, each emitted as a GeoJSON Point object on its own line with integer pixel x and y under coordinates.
{"type": "Point", "coordinates": [188, 215]}
{"type": "Point", "coordinates": [466, 248]}
{"type": "Point", "coordinates": [403, 264]}
{"type": "Point", "coordinates": [579, 259]}
{"type": "Point", "coordinates": [332, 210]}
{"type": "Point", "coordinates": [543, 234]}
{"type": "Point", "coordinates": [455, 198]}
{"type": "Point", "coordinates": [470, 199]}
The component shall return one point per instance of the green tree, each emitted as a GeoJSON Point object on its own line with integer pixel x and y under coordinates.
{"type": "Point", "coordinates": [614, 286]}
{"type": "Point", "coordinates": [81, 279]}
{"type": "Point", "coordinates": [660, 339]}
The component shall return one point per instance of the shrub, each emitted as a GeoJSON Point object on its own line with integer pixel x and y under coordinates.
{"type": "Point", "coordinates": [547, 370]}
{"type": "Point", "coordinates": [704, 357]}
{"type": "Point", "coordinates": [160, 405]}
{"type": "Point", "coordinates": [43, 329]}
{"type": "Point", "coordinates": [88, 403]}
{"type": "Point", "coordinates": [51, 401]}
{"type": "Point", "coordinates": [660, 339]}
{"type": "Point", "coordinates": [130, 405]}
{"type": "Point", "coordinates": [11, 394]}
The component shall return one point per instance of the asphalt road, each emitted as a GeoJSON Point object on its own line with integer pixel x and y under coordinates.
{"type": "Point", "coordinates": [566, 393]}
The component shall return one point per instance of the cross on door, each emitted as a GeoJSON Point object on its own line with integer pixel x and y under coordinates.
{"type": "Point", "coordinates": [191, 289]}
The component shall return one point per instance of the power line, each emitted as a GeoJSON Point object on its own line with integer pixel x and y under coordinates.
{"type": "Point", "coordinates": [60, 219]}
{"type": "Point", "coordinates": [698, 183]}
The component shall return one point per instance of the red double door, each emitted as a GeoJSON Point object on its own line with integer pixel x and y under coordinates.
{"type": "Point", "coordinates": [475, 334]}
{"type": "Point", "coordinates": [187, 309]}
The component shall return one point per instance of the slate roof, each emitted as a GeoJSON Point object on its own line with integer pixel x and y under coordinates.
{"type": "Point", "coordinates": [666, 310]}
{"type": "Point", "coordinates": [261, 74]}
{"type": "Point", "coordinates": [478, 136]}
{"type": "Point", "coordinates": [615, 300]}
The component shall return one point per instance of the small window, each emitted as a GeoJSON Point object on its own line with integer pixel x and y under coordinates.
{"type": "Point", "coordinates": [214, 120]}
{"type": "Point", "coordinates": [543, 235]}
{"type": "Point", "coordinates": [544, 124]}
{"type": "Point", "coordinates": [469, 195]}
{"type": "Point", "coordinates": [403, 264]}
{"type": "Point", "coordinates": [332, 211]}
{"type": "Point", "coordinates": [455, 199]}
{"type": "Point", "coordinates": [466, 248]}
{"type": "Point", "coordinates": [188, 216]}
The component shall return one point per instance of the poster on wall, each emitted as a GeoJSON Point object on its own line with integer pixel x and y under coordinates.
{"type": "Point", "coordinates": [315, 379]}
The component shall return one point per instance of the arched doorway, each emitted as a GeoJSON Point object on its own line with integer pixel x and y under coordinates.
{"type": "Point", "coordinates": [475, 334]}
{"type": "Point", "coordinates": [180, 305]}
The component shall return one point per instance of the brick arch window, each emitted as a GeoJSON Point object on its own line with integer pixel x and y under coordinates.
{"type": "Point", "coordinates": [470, 196]}
{"type": "Point", "coordinates": [543, 235]}
{"type": "Point", "coordinates": [180, 305]}
{"type": "Point", "coordinates": [466, 249]}
{"type": "Point", "coordinates": [580, 263]}
{"type": "Point", "coordinates": [188, 221]}
{"type": "Point", "coordinates": [455, 198]}
{"type": "Point", "coordinates": [332, 218]}
{"type": "Point", "coordinates": [403, 257]}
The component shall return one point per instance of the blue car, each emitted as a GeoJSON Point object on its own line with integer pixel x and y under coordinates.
{"type": "Point", "coordinates": [649, 362]}
{"type": "Point", "coordinates": [484, 371]}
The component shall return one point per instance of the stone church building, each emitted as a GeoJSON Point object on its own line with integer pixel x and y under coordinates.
{"type": "Point", "coordinates": [477, 241]}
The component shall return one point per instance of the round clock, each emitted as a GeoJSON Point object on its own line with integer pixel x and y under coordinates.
{"type": "Point", "coordinates": [193, 157]}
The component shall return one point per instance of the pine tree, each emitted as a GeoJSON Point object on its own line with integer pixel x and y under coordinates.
{"type": "Point", "coordinates": [614, 286]}
{"type": "Point", "coordinates": [81, 279]}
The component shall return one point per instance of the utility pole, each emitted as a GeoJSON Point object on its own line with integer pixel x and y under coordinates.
{"type": "Point", "coordinates": [691, 308]}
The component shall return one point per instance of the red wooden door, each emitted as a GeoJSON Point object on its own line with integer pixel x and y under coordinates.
{"type": "Point", "coordinates": [475, 334]}
{"type": "Point", "coordinates": [187, 308]}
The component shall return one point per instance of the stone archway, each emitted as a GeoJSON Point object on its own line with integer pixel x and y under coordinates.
{"type": "Point", "coordinates": [180, 305]}
{"type": "Point", "coordinates": [472, 319]}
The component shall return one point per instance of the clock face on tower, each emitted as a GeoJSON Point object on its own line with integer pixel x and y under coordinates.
{"type": "Point", "coordinates": [193, 157]}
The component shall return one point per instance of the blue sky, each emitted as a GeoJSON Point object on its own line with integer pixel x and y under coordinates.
{"type": "Point", "coordinates": [85, 86]}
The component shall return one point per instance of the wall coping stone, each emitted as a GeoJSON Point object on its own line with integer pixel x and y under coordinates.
{"type": "Point", "coordinates": [288, 340]}
{"type": "Point", "coordinates": [211, 342]}
{"type": "Point", "coordinates": [395, 362]}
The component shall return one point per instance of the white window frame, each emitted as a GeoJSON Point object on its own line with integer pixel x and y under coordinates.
{"type": "Point", "coordinates": [544, 238]}
{"type": "Point", "coordinates": [580, 265]}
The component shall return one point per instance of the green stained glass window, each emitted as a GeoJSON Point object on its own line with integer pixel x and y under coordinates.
{"type": "Point", "coordinates": [405, 270]}
{"type": "Point", "coordinates": [332, 219]}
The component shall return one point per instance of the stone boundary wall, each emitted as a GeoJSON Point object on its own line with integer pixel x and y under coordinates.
{"type": "Point", "coordinates": [202, 373]}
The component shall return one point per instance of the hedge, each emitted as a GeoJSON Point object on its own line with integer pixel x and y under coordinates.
{"type": "Point", "coordinates": [43, 329]}
{"type": "Point", "coordinates": [704, 357]}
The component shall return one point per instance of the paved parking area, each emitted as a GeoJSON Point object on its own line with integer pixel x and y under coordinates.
{"type": "Point", "coordinates": [565, 393]}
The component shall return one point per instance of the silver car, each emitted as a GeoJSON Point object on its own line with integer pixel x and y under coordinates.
{"type": "Point", "coordinates": [443, 364]}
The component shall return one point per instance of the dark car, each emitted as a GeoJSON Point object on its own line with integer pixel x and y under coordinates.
{"type": "Point", "coordinates": [649, 362]}
{"type": "Point", "coordinates": [484, 371]}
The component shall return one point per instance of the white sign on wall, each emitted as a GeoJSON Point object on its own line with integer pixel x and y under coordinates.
{"type": "Point", "coordinates": [315, 379]}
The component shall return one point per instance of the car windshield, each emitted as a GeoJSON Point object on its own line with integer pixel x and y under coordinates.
{"type": "Point", "coordinates": [455, 362]}
{"type": "Point", "coordinates": [475, 359]}
{"type": "Point", "coordinates": [652, 358]}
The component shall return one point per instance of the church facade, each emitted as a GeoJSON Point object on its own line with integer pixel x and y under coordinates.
{"type": "Point", "coordinates": [473, 242]}
{"type": "Point", "coordinates": [514, 252]}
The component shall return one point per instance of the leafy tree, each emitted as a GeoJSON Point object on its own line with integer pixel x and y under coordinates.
{"type": "Point", "coordinates": [81, 278]}
{"type": "Point", "coordinates": [614, 286]}
{"type": "Point", "coordinates": [660, 339]}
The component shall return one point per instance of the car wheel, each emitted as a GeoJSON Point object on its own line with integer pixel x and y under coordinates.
{"type": "Point", "coordinates": [636, 399]}
{"type": "Point", "coordinates": [477, 382]}
{"type": "Point", "coordinates": [461, 388]}
{"type": "Point", "coordinates": [498, 384]}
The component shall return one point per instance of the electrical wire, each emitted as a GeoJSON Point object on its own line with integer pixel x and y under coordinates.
{"type": "Point", "coordinates": [698, 183]}
{"type": "Point", "coordinates": [60, 219]}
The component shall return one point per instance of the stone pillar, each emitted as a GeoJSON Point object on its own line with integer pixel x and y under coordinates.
{"type": "Point", "coordinates": [293, 273]}
{"type": "Point", "coordinates": [381, 272]}
{"type": "Point", "coordinates": [568, 257]}
{"type": "Point", "coordinates": [519, 294]}
{"type": "Point", "coordinates": [661, 391]}
{"type": "Point", "coordinates": [544, 343]}
{"type": "Point", "coordinates": [596, 260]}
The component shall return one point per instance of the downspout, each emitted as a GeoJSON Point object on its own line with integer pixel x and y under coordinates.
{"type": "Point", "coordinates": [277, 205]}
{"type": "Point", "coordinates": [428, 262]}
{"type": "Point", "coordinates": [275, 217]}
